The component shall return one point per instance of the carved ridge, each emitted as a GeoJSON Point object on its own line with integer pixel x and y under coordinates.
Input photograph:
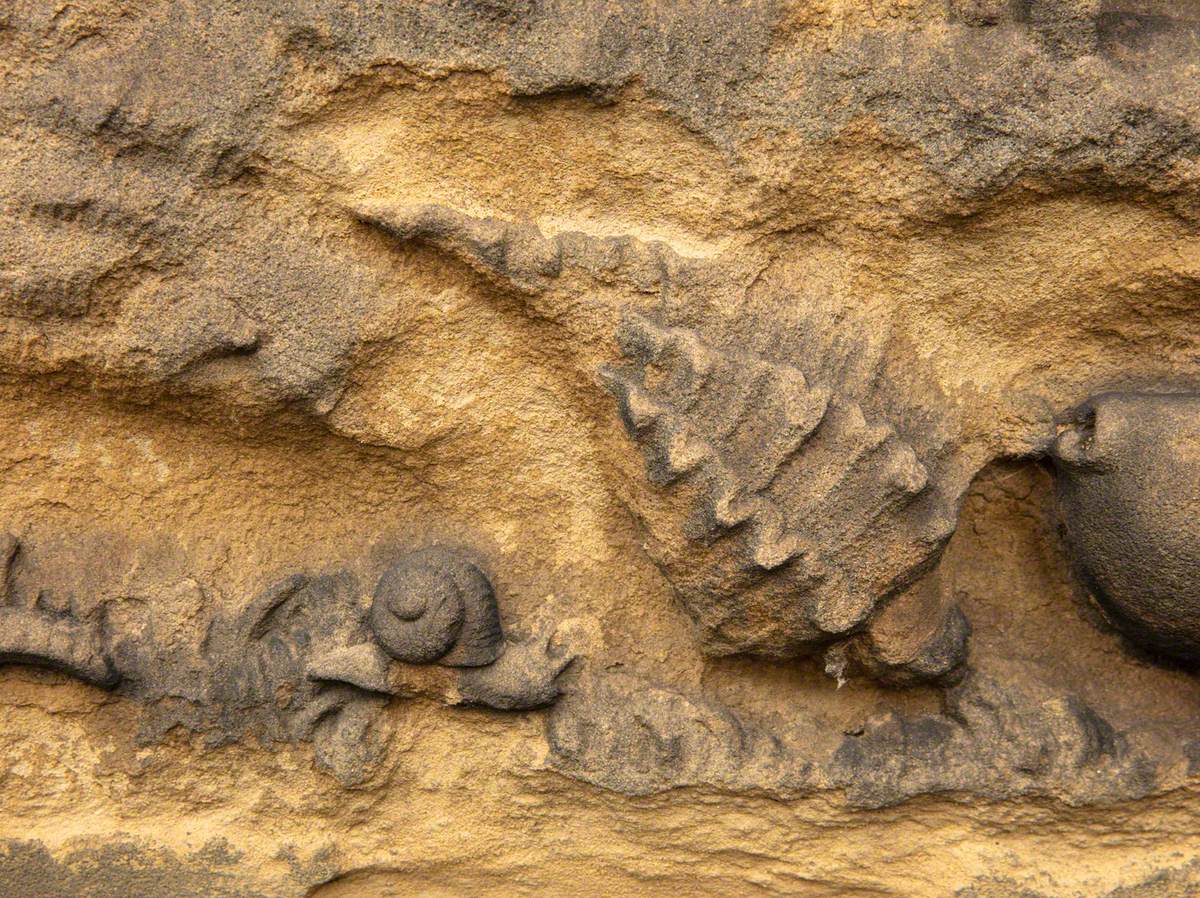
{"type": "Point", "coordinates": [742, 427]}
{"type": "Point", "coordinates": [31, 637]}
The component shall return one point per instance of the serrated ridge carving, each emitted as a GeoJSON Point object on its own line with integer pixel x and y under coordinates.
{"type": "Point", "coordinates": [789, 469]}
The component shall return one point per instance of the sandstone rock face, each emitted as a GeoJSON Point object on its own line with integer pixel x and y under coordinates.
{"type": "Point", "coordinates": [499, 447]}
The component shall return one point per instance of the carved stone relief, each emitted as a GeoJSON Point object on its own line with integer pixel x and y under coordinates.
{"type": "Point", "coordinates": [303, 661]}
{"type": "Point", "coordinates": [1130, 495]}
{"type": "Point", "coordinates": [510, 448]}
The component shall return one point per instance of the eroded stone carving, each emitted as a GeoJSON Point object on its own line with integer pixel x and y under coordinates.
{"type": "Point", "coordinates": [929, 647]}
{"type": "Point", "coordinates": [1129, 487]}
{"type": "Point", "coordinates": [517, 255]}
{"type": "Point", "coordinates": [436, 606]}
{"type": "Point", "coordinates": [640, 738]}
{"type": "Point", "coordinates": [33, 633]}
{"type": "Point", "coordinates": [305, 660]}
{"type": "Point", "coordinates": [821, 509]}
{"type": "Point", "coordinates": [845, 268]}
{"type": "Point", "coordinates": [793, 516]}
{"type": "Point", "coordinates": [995, 739]}
{"type": "Point", "coordinates": [637, 737]}
{"type": "Point", "coordinates": [432, 605]}
{"type": "Point", "coordinates": [809, 516]}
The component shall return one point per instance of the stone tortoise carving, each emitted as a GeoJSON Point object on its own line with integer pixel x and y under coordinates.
{"type": "Point", "coordinates": [830, 511]}
{"type": "Point", "coordinates": [809, 513]}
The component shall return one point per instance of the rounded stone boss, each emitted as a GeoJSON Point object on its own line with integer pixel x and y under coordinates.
{"type": "Point", "coordinates": [1128, 469]}
{"type": "Point", "coordinates": [434, 605]}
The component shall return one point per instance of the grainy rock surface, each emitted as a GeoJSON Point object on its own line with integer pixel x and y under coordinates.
{"type": "Point", "coordinates": [504, 447]}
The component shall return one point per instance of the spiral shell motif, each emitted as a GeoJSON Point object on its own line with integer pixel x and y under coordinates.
{"type": "Point", "coordinates": [432, 605]}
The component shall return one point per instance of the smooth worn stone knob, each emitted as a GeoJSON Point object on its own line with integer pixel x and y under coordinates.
{"type": "Point", "coordinates": [1128, 469]}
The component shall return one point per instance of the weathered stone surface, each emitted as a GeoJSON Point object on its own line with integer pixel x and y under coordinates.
{"type": "Point", "coordinates": [1131, 499]}
{"type": "Point", "coordinates": [514, 448]}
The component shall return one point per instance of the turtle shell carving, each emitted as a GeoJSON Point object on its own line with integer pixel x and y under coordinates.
{"type": "Point", "coordinates": [805, 513]}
